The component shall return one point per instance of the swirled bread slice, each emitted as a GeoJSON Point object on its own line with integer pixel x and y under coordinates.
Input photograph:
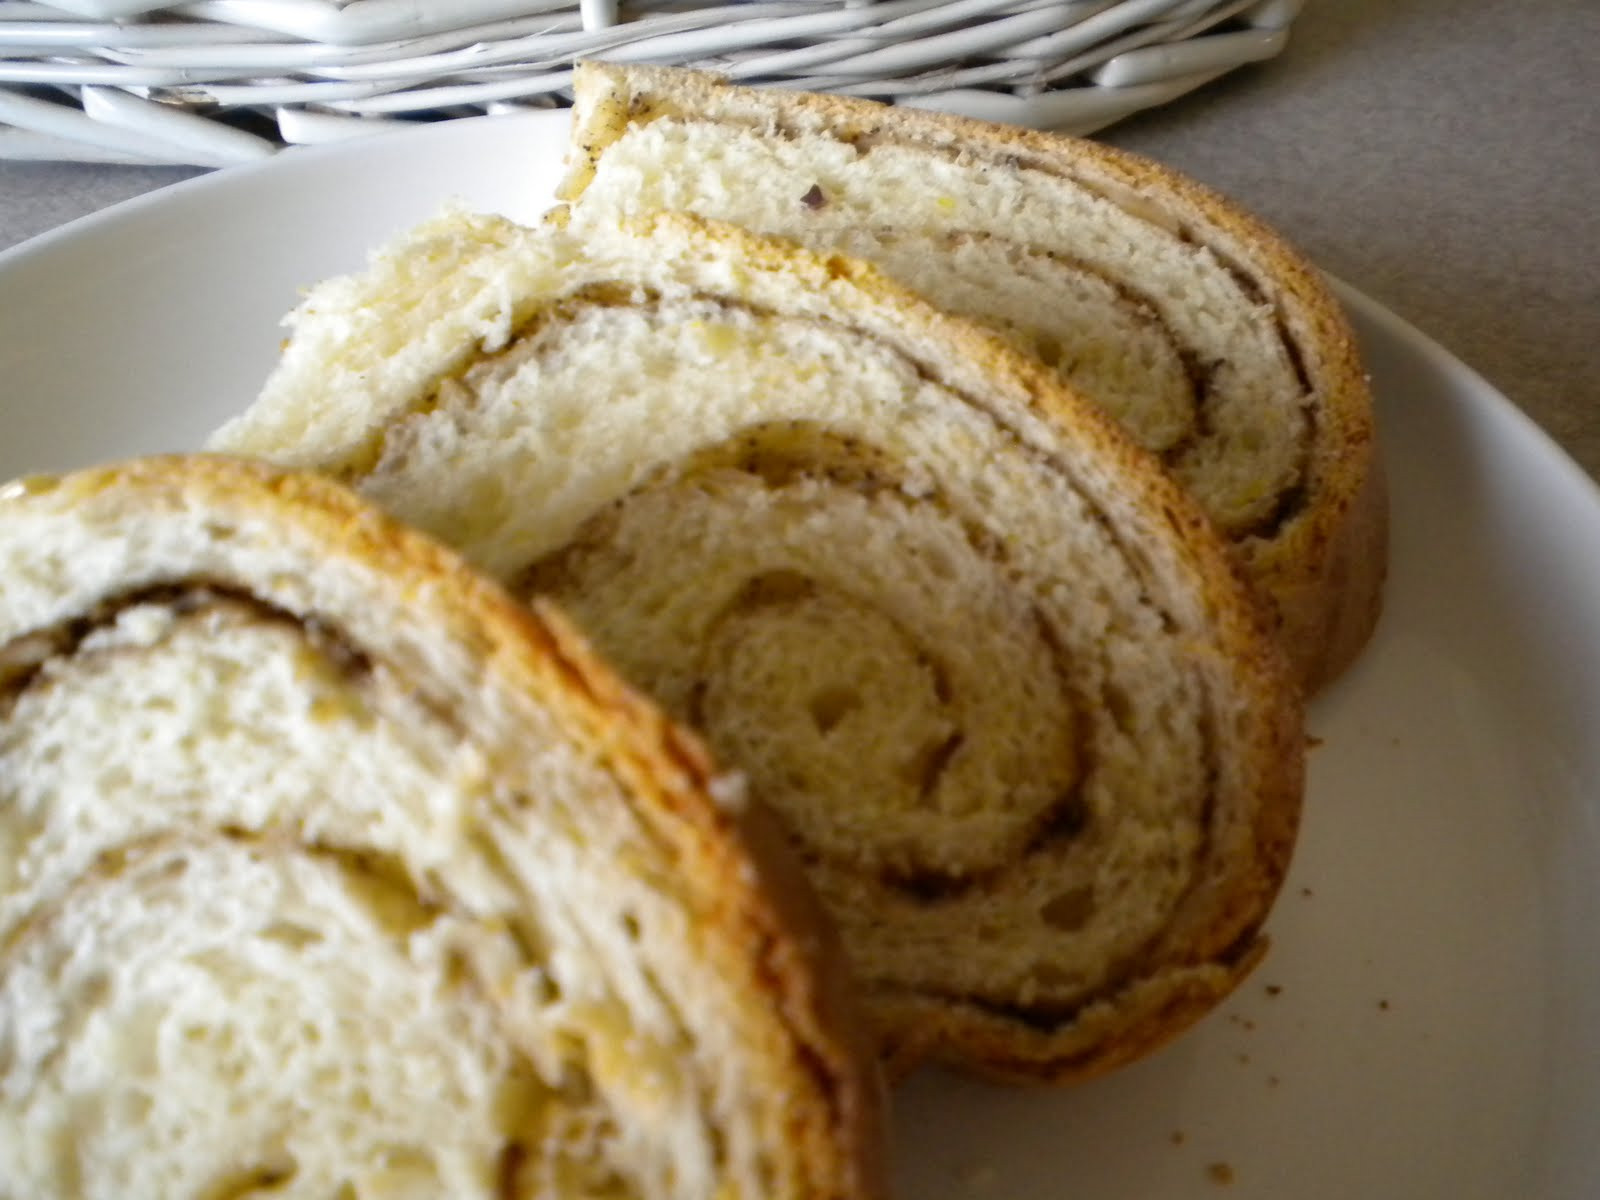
{"type": "Point", "coordinates": [328, 870]}
{"type": "Point", "coordinates": [1207, 337]}
{"type": "Point", "coordinates": [988, 663]}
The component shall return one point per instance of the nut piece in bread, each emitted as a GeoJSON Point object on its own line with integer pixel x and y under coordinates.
{"type": "Point", "coordinates": [328, 870]}
{"type": "Point", "coordinates": [1213, 342]}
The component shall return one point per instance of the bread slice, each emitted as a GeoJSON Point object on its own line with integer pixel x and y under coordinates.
{"type": "Point", "coordinates": [1211, 341]}
{"type": "Point", "coordinates": [987, 662]}
{"type": "Point", "coordinates": [328, 870]}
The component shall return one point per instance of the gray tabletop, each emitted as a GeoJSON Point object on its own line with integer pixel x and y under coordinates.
{"type": "Point", "coordinates": [1441, 155]}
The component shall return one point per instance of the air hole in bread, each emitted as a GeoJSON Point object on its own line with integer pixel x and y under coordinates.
{"type": "Point", "coordinates": [774, 587]}
{"type": "Point", "coordinates": [1117, 705]}
{"type": "Point", "coordinates": [96, 988]}
{"type": "Point", "coordinates": [264, 1179]}
{"type": "Point", "coordinates": [831, 706]}
{"type": "Point", "coordinates": [1071, 910]}
{"type": "Point", "coordinates": [1068, 819]}
{"type": "Point", "coordinates": [408, 1163]}
{"type": "Point", "coordinates": [509, 1174]}
{"type": "Point", "coordinates": [287, 933]}
{"type": "Point", "coordinates": [927, 887]}
{"type": "Point", "coordinates": [381, 883]}
{"type": "Point", "coordinates": [928, 765]}
{"type": "Point", "coordinates": [115, 778]}
{"type": "Point", "coordinates": [1047, 348]}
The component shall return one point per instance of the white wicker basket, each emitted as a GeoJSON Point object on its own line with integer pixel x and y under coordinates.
{"type": "Point", "coordinates": [214, 82]}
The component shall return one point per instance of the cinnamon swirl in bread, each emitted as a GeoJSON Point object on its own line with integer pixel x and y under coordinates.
{"type": "Point", "coordinates": [328, 870]}
{"type": "Point", "coordinates": [1208, 338]}
{"type": "Point", "coordinates": [987, 662]}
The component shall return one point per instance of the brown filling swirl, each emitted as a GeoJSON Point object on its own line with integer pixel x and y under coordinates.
{"type": "Point", "coordinates": [834, 620]}
{"type": "Point", "coordinates": [872, 728]}
{"type": "Point", "coordinates": [25, 656]}
{"type": "Point", "coordinates": [1291, 493]}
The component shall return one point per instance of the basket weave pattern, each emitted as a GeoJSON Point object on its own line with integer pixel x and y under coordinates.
{"type": "Point", "coordinates": [215, 82]}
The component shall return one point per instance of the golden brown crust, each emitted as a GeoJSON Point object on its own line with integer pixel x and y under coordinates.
{"type": "Point", "coordinates": [1128, 1027]}
{"type": "Point", "coordinates": [769, 942]}
{"type": "Point", "coordinates": [1323, 569]}
{"type": "Point", "coordinates": [776, 930]}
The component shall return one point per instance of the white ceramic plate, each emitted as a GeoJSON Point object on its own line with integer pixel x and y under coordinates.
{"type": "Point", "coordinates": [1428, 1024]}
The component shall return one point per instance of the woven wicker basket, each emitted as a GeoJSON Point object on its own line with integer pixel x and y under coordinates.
{"type": "Point", "coordinates": [214, 82]}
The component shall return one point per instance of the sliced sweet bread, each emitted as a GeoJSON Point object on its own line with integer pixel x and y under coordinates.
{"type": "Point", "coordinates": [1211, 341]}
{"type": "Point", "coordinates": [988, 663]}
{"type": "Point", "coordinates": [328, 870]}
